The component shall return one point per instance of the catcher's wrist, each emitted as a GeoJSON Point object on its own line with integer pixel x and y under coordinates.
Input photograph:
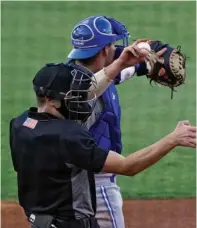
{"type": "Point", "coordinates": [113, 70]}
{"type": "Point", "coordinates": [119, 65]}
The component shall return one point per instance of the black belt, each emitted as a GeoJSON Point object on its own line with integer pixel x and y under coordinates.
{"type": "Point", "coordinates": [81, 223]}
{"type": "Point", "coordinates": [48, 221]}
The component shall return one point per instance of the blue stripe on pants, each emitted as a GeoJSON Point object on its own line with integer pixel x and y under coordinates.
{"type": "Point", "coordinates": [105, 197]}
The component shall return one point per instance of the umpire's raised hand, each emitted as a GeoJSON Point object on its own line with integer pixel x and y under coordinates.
{"type": "Point", "coordinates": [183, 135]}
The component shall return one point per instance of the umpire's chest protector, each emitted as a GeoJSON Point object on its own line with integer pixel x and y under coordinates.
{"type": "Point", "coordinates": [106, 129]}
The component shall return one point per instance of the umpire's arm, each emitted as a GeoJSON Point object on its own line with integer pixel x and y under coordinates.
{"type": "Point", "coordinates": [184, 135]}
{"type": "Point", "coordinates": [78, 148]}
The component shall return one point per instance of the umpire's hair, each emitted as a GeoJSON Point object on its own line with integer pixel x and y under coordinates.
{"type": "Point", "coordinates": [40, 99]}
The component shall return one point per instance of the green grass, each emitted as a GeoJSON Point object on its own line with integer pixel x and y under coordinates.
{"type": "Point", "coordinates": [34, 33]}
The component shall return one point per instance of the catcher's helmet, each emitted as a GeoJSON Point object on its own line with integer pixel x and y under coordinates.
{"type": "Point", "coordinates": [70, 84]}
{"type": "Point", "coordinates": [91, 35]}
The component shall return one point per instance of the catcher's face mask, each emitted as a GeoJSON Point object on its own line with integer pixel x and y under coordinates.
{"type": "Point", "coordinates": [70, 84]}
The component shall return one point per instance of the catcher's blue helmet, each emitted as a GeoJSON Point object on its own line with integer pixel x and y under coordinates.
{"type": "Point", "coordinates": [91, 35]}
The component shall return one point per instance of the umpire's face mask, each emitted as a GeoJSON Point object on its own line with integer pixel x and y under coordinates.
{"type": "Point", "coordinates": [76, 104]}
{"type": "Point", "coordinates": [75, 111]}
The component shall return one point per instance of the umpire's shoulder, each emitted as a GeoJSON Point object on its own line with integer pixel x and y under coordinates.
{"type": "Point", "coordinates": [73, 130]}
{"type": "Point", "coordinates": [20, 117]}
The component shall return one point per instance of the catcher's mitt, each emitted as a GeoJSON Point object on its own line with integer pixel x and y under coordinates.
{"type": "Point", "coordinates": [169, 69]}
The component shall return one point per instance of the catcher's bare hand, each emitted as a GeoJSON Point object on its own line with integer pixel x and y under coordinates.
{"type": "Point", "coordinates": [158, 53]}
{"type": "Point", "coordinates": [161, 52]}
{"type": "Point", "coordinates": [185, 134]}
{"type": "Point", "coordinates": [132, 54]}
{"type": "Point", "coordinates": [152, 58]}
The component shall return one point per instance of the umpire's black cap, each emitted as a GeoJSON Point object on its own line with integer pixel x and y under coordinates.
{"type": "Point", "coordinates": [52, 79]}
{"type": "Point", "coordinates": [56, 80]}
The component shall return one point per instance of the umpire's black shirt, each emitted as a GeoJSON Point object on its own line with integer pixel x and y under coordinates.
{"type": "Point", "coordinates": [55, 161]}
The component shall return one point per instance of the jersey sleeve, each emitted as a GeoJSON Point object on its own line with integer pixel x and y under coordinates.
{"type": "Point", "coordinates": [78, 148]}
{"type": "Point", "coordinates": [124, 75]}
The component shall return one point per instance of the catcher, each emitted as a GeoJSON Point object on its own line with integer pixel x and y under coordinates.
{"type": "Point", "coordinates": [93, 47]}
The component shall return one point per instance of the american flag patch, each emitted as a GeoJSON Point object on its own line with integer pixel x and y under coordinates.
{"type": "Point", "coordinates": [30, 123]}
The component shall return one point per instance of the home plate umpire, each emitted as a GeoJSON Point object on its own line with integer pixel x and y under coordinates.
{"type": "Point", "coordinates": [55, 157]}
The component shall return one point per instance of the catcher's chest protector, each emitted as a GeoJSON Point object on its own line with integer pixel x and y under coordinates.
{"type": "Point", "coordinates": [106, 130]}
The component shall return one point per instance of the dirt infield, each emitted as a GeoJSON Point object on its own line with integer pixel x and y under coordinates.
{"type": "Point", "coordinates": [138, 214]}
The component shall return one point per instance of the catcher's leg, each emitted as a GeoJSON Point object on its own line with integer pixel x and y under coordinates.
{"type": "Point", "coordinates": [109, 203]}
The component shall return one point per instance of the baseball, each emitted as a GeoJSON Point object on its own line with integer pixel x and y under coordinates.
{"type": "Point", "coordinates": [144, 45]}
